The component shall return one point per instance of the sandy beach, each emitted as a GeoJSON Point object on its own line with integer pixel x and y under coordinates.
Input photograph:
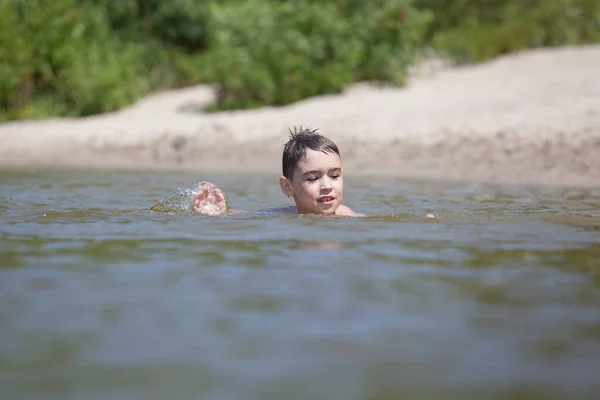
{"type": "Point", "coordinates": [531, 117]}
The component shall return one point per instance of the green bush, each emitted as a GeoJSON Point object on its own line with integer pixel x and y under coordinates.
{"type": "Point", "coordinates": [169, 35]}
{"type": "Point", "coordinates": [117, 80]}
{"type": "Point", "coordinates": [81, 57]}
{"type": "Point", "coordinates": [280, 52]}
{"type": "Point", "coordinates": [477, 30]}
{"type": "Point", "coordinates": [54, 52]}
{"type": "Point", "coordinates": [180, 23]}
{"type": "Point", "coordinates": [15, 65]}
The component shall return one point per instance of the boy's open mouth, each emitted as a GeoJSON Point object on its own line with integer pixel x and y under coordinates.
{"type": "Point", "coordinates": [326, 199]}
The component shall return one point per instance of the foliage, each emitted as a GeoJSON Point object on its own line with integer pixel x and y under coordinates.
{"type": "Point", "coordinates": [54, 52]}
{"type": "Point", "coordinates": [280, 52]}
{"type": "Point", "coordinates": [82, 57]}
{"type": "Point", "coordinates": [477, 30]}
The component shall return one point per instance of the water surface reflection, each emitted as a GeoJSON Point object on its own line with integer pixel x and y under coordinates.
{"type": "Point", "coordinates": [100, 297]}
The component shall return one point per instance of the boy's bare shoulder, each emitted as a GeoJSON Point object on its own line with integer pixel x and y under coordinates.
{"type": "Point", "coordinates": [347, 212]}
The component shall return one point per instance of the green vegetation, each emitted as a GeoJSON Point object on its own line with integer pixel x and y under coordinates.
{"type": "Point", "coordinates": [82, 57]}
{"type": "Point", "coordinates": [477, 30]}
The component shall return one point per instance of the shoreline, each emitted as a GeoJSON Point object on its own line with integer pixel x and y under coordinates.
{"type": "Point", "coordinates": [531, 117]}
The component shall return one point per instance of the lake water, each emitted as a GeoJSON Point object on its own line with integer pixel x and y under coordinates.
{"type": "Point", "coordinates": [100, 297]}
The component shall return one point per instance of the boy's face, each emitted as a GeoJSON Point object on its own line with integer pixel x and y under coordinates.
{"type": "Point", "coordinates": [317, 184]}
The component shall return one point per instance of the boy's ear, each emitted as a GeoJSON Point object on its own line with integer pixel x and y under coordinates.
{"type": "Point", "coordinates": [286, 186]}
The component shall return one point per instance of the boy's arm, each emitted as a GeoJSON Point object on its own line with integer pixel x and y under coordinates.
{"type": "Point", "coordinates": [210, 200]}
{"type": "Point", "coordinates": [347, 212]}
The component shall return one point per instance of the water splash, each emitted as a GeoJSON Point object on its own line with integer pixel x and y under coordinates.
{"type": "Point", "coordinates": [203, 198]}
{"type": "Point", "coordinates": [176, 201]}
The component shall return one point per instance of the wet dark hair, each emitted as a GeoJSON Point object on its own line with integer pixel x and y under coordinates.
{"type": "Point", "coordinates": [301, 140]}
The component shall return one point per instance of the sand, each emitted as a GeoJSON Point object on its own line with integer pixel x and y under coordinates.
{"type": "Point", "coordinates": [530, 117]}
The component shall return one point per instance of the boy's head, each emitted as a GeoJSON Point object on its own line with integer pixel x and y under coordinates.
{"type": "Point", "coordinates": [312, 172]}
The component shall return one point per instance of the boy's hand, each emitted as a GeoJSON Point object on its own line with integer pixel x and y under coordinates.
{"type": "Point", "coordinates": [208, 199]}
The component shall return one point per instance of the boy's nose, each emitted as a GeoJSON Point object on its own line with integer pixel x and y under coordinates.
{"type": "Point", "coordinates": [326, 184]}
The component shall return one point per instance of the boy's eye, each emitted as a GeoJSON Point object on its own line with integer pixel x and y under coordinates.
{"type": "Point", "coordinates": [334, 176]}
{"type": "Point", "coordinates": [312, 178]}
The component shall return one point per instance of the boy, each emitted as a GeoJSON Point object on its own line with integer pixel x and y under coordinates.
{"type": "Point", "coordinates": [312, 175]}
